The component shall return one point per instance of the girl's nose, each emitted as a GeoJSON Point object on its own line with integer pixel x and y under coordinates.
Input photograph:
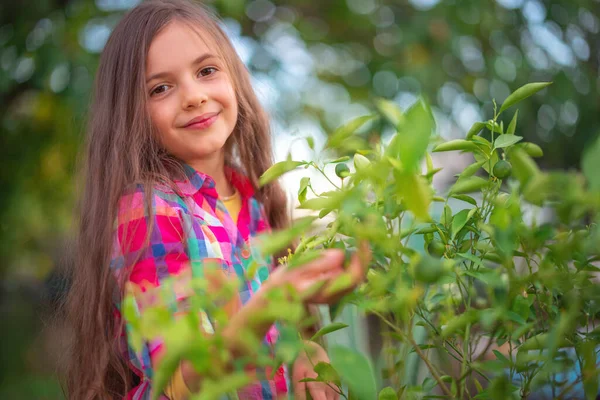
{"type": "Point", "coordinates": [193, 95]}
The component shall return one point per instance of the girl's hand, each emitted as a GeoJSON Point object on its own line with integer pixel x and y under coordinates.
{"type": "Point", "coordinates": [303, 368]}
{"type": "Point", "coordinates": [313, 281]}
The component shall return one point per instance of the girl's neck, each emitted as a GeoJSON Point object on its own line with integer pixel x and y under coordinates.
{"type": "Point", "coordinates": [215, 168]}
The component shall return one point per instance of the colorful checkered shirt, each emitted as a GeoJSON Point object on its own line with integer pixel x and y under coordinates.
{"type": "Point", "coordinates": [210, 234]}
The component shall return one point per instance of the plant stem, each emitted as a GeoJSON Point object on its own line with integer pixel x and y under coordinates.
{"type": "Point", "coordinates": [325, 175]}
{"type": "Point", "coordinates": [437, 378]}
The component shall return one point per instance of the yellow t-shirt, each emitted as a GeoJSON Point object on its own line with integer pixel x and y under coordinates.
{"type": "Point", "coordinates": [233, 204]}
{"type": "Point", "coordinates": [177, 389]}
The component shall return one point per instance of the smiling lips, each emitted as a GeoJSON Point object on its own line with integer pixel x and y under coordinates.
{"type": "Point", "coordinates": [202, 122]}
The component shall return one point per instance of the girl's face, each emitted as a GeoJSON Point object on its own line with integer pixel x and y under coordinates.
{"type": "Point", "coordinates": [186, 80]}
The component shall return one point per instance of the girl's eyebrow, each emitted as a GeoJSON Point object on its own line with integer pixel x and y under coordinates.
{"type": "Point", "coordinates": [196, 61]}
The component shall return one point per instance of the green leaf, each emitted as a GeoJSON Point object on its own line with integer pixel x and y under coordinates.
{"type": "Point", "coordinates": [530, 148]}
{"type": "Point", "coordinates": [506, 140]}
{"type": "Point", "coordinates": [390, 111]}
{"type": "Point", "coordinates": [523, 167]}
{"type": "Point", "coordinates": [310, 141]}
{"type": "Point", "coordinates": [475, 129]}
{"type": "Point", "coordinates": [541, 342]}
{"type": "Point", "coordinates": [416, 193]}
{"type": "Point", "coordinates": [345, 131]}
{"type": "Point", "coordinates": [590, 371]}
{"type": "Point", "coordinates": [178, 339]}
{"type": "Point", "coordinates": [356, 371]}
{"type": "Point", "coordinates": [459, 322]}
{"type": "Point", "coordinates": [215, 389]}
{"type": "Point", "coordinates": [338, 160]}
{"type": "Point", "coordinates": [411, 141]}
{"type": "Point", "coordinates": [279, 169]}
{"type": "Point", "coordinates": [336, 326]}
{"type": "Point", "coordinates": [361, 162]}
{"type": "Point", "coordinates": [512, 127]}
{"type": "Point", "coordinates": [326, 373]}
{"type": "Point", "coordinates": [522, 93]}
{"type": "Point", "coordinates": [269, 244]}
{"type": "Point", "coordinates": [590, 164]}
{"type": "Point", "coordinates": [465, 198]}
{"type": "Point", "coordinates": [467, 185]}
{"type": "Point", "coordinates": [304, 182]}
{"type": "Point", "coordinates": [387, 393]}
{"type": "Point", "coordinates": [318, 203]}
{"type": "Point", "coordinates": [471, 169]}
{"type": "Point", "coordinates": [457, 144]}
{"type": "Point", "coordinates": [459, 221]}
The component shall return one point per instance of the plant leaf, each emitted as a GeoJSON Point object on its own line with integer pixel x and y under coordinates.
{"type": "Point", "coordinates": [458, 221]}
{"type": "Point", "coordinates": [336, 326]}
{"type": "Point", "coordinates": [326, 373]}
{"type": "Point", "coordinates": [465, 198]}
{"type": "Point", "coordinates": [390, 111]}
{"type": "Point", "coordinates": [416, 193]}
{"type": "Point", "coordinates": [457, 144]}
{"type": "Point", "coordinates": [522, 93]}
{"type": "Point", "coordinates": [467, 185]}
{"type": "Point", "coordinates": [531, 148]}
{"type": "Point", "coordinates": [471, 169]}
{"type": "Point", "coordinates": [506, 140]}
{"type": "Point", "coordinates": [356, 370]}
{"type": "Point", "coordinates": [343, 132]}
{"type": "Point", "coordinates": [475, 129]}
{"type": "Point", "coordinates": [590, 164]}
{"type": "Point", "coordinates": [411, 141]}
{"type": "Point", "coordinates": [279, 169]}
{"type": "Point", "coordinates": [271, 243]}
{"type": "Point", "coordinates": [512, 127]}
{"type": "Point", "coordinates": [524, 168]}
{"type": "Point", "coordinates": [304, 182]}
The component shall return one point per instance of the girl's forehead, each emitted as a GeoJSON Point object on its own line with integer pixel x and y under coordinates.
{"type": "Point", "coordinates": [177, 43]}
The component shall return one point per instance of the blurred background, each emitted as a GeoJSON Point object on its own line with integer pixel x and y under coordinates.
{"type": "Point", "coordinates": [315, 64]}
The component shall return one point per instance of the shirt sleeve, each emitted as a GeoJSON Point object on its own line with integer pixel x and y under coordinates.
{"type": "Point", "coordinates": [150, 247]}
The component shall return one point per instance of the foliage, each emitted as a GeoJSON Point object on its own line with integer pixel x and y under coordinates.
{"type": "Point", "coordinates": [503, 297]}
{"type": "Point", "coordinates": [458, 53]}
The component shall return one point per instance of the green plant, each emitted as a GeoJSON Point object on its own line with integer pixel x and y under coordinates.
{"type": "Point", "coordinates": [493, 295]}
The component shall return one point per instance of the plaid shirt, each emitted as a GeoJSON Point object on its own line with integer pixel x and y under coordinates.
{"type": "Point", "coordinates": [210, 234]}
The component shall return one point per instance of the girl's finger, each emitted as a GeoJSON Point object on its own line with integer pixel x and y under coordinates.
{"type": "Point", "coordinates": [331, 259]}
{"type": "Point", "coordinates": [300, 390]}
{"type": "Point", "coordinates": [332, 394]}
{"type": "Point", "coordinates": [317, 390]}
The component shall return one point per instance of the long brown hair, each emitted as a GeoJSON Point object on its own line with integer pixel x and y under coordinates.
{"type": "Point", "coordinates": [122, 148]}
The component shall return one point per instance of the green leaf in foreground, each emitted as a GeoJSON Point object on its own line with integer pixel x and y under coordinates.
{"type": "Point", "coordinates": [279, 169]}
{"type": "Point", "coordinates": [411, 141]}
{"type": "Point", "coordinates": [522, 93]}
{"type": "Point", "coordinates": [356, 371]}
{"type": "Point", "coordinates": [336, 326]}
{"type": "Point", "coordinates": [269, 244]}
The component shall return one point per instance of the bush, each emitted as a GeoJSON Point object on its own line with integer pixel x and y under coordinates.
{"type": "Point", "coordinates": [495, 305]}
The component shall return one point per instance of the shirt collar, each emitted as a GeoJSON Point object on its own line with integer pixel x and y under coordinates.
{"type": "Point", "coordinates": [196, 181]}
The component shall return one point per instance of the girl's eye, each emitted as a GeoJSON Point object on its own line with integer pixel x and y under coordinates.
{"type": "Point", "coordinates": [204, 72]}
{"type": "Point", "coordinates": [157, 91]}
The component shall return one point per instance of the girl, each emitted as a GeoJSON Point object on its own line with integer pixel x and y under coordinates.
{"type": "Point", "coordinates": [176, 143]}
